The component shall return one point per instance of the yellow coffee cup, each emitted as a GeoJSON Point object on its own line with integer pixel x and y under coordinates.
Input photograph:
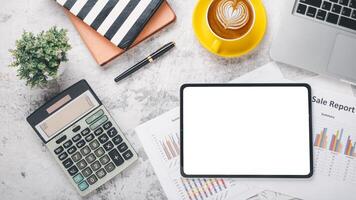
{"type": "Point", "coordinates": [229, 47]}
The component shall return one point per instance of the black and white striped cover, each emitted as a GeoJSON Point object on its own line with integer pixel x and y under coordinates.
{"type": "Point", "coordinates": [120, 21]}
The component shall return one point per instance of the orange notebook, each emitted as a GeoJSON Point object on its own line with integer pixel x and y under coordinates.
{"type": "Point", "coordinates": [103, 50]}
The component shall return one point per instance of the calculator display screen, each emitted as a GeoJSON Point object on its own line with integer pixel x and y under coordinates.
{"type": "Point", "coordinates": [66, 115]}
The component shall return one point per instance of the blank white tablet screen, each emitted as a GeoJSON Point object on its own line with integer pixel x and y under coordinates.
{"type": "Point", "coordinates": [246, 130]}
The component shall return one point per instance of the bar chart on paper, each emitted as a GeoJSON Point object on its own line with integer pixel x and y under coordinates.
{"type": "Point", "coordinates": [335, 155]}
{"type": "Point", "coordinates": [162, 146]}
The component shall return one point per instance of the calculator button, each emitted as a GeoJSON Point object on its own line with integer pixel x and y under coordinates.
{"type": "Point", "coordinates": [100, 173]}
{"type": "Point", "coordinates": [107, 125]}
{"type": "Point", "coordinates": [95, 166]}
{"type": "Point", "coordinates": [93, 117]}
{"type": "Point", "coordinates": [105, 159]}
{"type": "Point", "coordinates": [112, 132]}
{"type": "Point", "coordinates": [94, 144]}
{"type": "Point", "coordinates": [99, 122]}
{"type": "Point", "coordinates": [108, 146]}
{"type": "Point", "coordinates": [78, 178]}
{"type": "Point", "coordinates": [99, 152]}
{"type": "Point", "coordinates": [58, 150]}
{"type": "Point", "coordinates": [82, 164]}
{"type": "Point", "coordinates": [127, 155]}
{"type": "Point", "coordinates": [63, 156]}
{"type": "Point", "coordinates": [76, 157]}
{"type": "Point", "coordinates": [92, 179]}
{"type": "Point", "coordinates": [68, 144]}
{"type": "Point", "coordinates": [87, 172]}
{"type": "Point", "coordinates": [73, 170]}
{"type": "Point", "coordinates": [83, 186]}
{"type": "Point", "coordinates": [67, 163]}
{"type": "Point", "coordinates": [72, 150]}
{"type": "Point", "coordinates": [76, 138]}
{"type": "Point", "coordinates": [116, 157]}
{"type": "Point", "coordinates": [85, 151]}
{"type": "Point", "coordinates": [103, 138]}
{"type": "Point", "coordinates": [85, 132]}
{"type": "Point", "coordinates": [98, 131]}
{"type": "Point", "coordinates": [122, 147]}
{"type": "Point", "coordinates": [80, 144]}
{"type": "Point", "coordinates": [117, 140]}
{"type": "Point", "coordinates": [89, 138]}
{"type": "Point", "coordinates": [61, 139]}
{"type": "Point", "coordinates": [109, 167]}
{"type": "Point", "coordinates": [76, 129]}
{"type": "Point", "coordinates": [90, 158]}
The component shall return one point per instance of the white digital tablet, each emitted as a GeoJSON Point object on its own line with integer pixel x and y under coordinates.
{"type": "Point", "coordinates": [246, 130]}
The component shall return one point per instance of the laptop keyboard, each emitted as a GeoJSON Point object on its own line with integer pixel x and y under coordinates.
{"type": "Point", "coordinates": [338, 12]}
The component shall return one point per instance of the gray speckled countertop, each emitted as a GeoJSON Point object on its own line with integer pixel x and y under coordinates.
{"type": "Point", "coordinates": [27, 170]}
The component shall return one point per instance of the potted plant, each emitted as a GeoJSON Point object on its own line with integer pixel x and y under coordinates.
{"type": "Point", "coordinates": [38, 58]}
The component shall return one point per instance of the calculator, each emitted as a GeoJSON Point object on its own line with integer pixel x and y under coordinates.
{"type": "Point", "coordinates": [83, 137]}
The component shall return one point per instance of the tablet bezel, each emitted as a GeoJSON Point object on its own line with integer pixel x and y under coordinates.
{"type": "Point", "coordinates": [310, 174]}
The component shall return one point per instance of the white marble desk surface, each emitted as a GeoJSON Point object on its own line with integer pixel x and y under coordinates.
{"type": "Point", "coordinates": [27, 171]}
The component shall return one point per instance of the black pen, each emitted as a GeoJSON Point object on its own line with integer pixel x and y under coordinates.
{"type": "Point", "coordinates": [145, 61]}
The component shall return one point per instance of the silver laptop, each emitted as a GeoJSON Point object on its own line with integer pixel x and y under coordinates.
{"type": "Point", "coordinates": [318, 35]}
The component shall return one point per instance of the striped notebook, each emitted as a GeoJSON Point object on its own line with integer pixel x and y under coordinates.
{"type": "Point", "coordinates": [120, 21]}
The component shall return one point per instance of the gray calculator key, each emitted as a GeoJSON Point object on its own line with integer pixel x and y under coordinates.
{"type": "Point", "coordinates": [67, 163]}
{"type": "Point", "coordinates": [99, 152]}
{"type": "Point", "coordinates": [109, 167]}
{"type": "Point", "coordinates": [76, 137]}
{"type": "Point", "coordinates": [105, 159]}
{"type": "Point", "coordinates": [103, 138]}
{"type": "Point", "coordinates": [116, 157]}
{"type": "Point", "coordinates": [68, 144]}
{"type": "Point", "coordinates": [89, 138]}
{"type": "Point", "coordinates": [73, 170]}
{"type": "Point", "coordinates": [90, 158]}
{"type": "Point", "coordinates": [99, 122]}
{"type": "Point", "coordinates": [61, 139]}
{"type": "Point", "coordinates": [108, 146]}
{"type": "Point", "coordinates": [127, 154]}
{"type": "Point", "coordinates": [117, 139]}
{"type": "Point", "coordinates": [112, 132]}
{"type": "Point", "coordinates": [85, 132]}
{"type": "Point", "coordinates": [76, 157]}
{"type": "Point", "coordinates": [95, 166]}
{"type": "Point", "coordinates": [98, 131]}
{"type": "Point", "coordinates": [80, 144]}
{"type": "Point", "coordinates": [58, 150]}
{"type": "Point", "coordinates": [93, 117]}
{"type": "Point", "coordinates": [87, 172]}
{"type": "Point", "coordinates": [63, 156]}
{"type": "Point", "coordinates": [100, 173]}
{"type": "Point", "coordinates": [92, 179]}
{"type": "Point", "coordinates": [76, 129]}
{"type": "Point", "coordinates": [72, 150]}
{"type": "Point", "coordinates": [107, 125]}
{"type": "Point", "coordinates": [85, 151]}
{"type": "Point", "coordinates": [82, 164]}
{"type": "Point", "coordinates": [123, 147]}
{"type": "Point", "coordinates": [94, 144]}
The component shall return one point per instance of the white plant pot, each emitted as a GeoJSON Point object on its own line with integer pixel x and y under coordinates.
{"type": "Point", "coordinates": [53, 80]}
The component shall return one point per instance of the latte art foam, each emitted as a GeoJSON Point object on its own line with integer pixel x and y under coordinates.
{"type": "Point", "coordinates": [232, 14]}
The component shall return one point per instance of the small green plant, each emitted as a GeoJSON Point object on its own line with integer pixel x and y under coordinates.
{"type": "Point", "coordinates": [37, 57]}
